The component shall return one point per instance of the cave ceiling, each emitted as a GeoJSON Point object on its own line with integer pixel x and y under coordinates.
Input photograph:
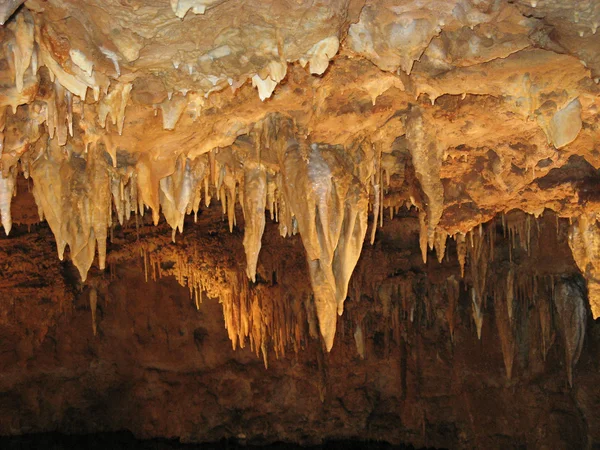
{"type": "Point", "coordinates": [322, 113]}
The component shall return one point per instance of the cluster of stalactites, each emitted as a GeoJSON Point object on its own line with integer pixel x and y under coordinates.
{"type": "Point", "coordinates": [560, 302]}
{"type": "Point", "coordinates": [268, 318]}
{"type": "Point", "coordinates": [310, 189]}
{"type": "Point", "coordinates": [584, 241]}
{"type": "Point", "coordinates": [70, 189]}
{"type": "Point", "coordinates": [479, 245]}
{"type": "Point", "coordinates": [31, 43]}
{"type": "Point", "coordinates": [555, 303]}
{"type": "Point", "coordinates": [73, 196]}
{"type": "Point", "coordinates": [331, 218]}
{"type": "Point", "coordinates": [322, 192]}
{"type": "Point", "coordinates": [317, 191]}
{"type": "Point", "coordinates": [427, 156]}
{"type": "Point", "coordinates": [560, 305]}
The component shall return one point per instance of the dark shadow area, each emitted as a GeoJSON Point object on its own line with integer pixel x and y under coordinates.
{"type": "Point", "coordinates": [125, 440]}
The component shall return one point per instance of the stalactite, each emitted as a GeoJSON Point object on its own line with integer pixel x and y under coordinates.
{"type": "Point", "coordinates": [510, 292]}
{"type": "Point", "coordinates": [148, 189]}
{"type": "Point", "coordinates": [377, 191]}
{"type": "Point", "coordinates": [427, 157]}
{"type": "Point", "coordinates": [503, 294]}
{"type": "Point", "coordinates": [113, 105]}
{"type": "Point", "coordinates": [477, 312]}
{"type": "Point", "coordinates": [7, 191]}
{"type": "Point", "coordinates": [517, 227]}
{"type": "Point", "coordinates": [569, 301]}
{"type": "Point", "coordinates": [73, 195]}
{"type": "Point", "coordinates": [584, 241]}
{"type": "Point", "coordinates": [478, 262]}
{"type": "Point", "coordinates": [544, 307]}
{"type": "Point", "coordinates": [359, 340]}
{"type": "Point", "coordinates": [23, 28]}
{"type": "Point", "coordinates": [253, 206]}
{"type": "Point", "coordinates": [331, 217]}
{"type": "Point", "coordinates": [461, 249]}
{"type": "Point", "coordinates": [452, 293]}
{"type": "Point", "coordinates": [179, 192]}
{"type": "Point", "coordinates": [423, 235]}
{"type": "Point", "coordinates": [440, 244]}
{"type": "Point", "coordinates": [93, 304]}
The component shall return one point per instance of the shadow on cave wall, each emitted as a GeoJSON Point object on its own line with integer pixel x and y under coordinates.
{"type": "Point", "coordinates": [126, 441]}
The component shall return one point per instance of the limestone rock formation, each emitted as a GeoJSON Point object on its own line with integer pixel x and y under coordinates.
{"type": "Point", "coordinates": [158, 104]}
{"type": "Point", "coordinates": [465, 116]}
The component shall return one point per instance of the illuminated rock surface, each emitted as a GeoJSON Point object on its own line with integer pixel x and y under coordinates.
{"type": "Point", "coordinates": [387, 186]}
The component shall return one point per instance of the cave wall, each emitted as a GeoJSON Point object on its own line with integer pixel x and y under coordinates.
{"type": "Point", "coordinates": [161, 367]}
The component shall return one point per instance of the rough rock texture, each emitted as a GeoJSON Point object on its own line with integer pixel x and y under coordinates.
{"type": "Point", "coordinates": [476, 121]}
{"type": "Point", "coordinates": [139, 347]}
